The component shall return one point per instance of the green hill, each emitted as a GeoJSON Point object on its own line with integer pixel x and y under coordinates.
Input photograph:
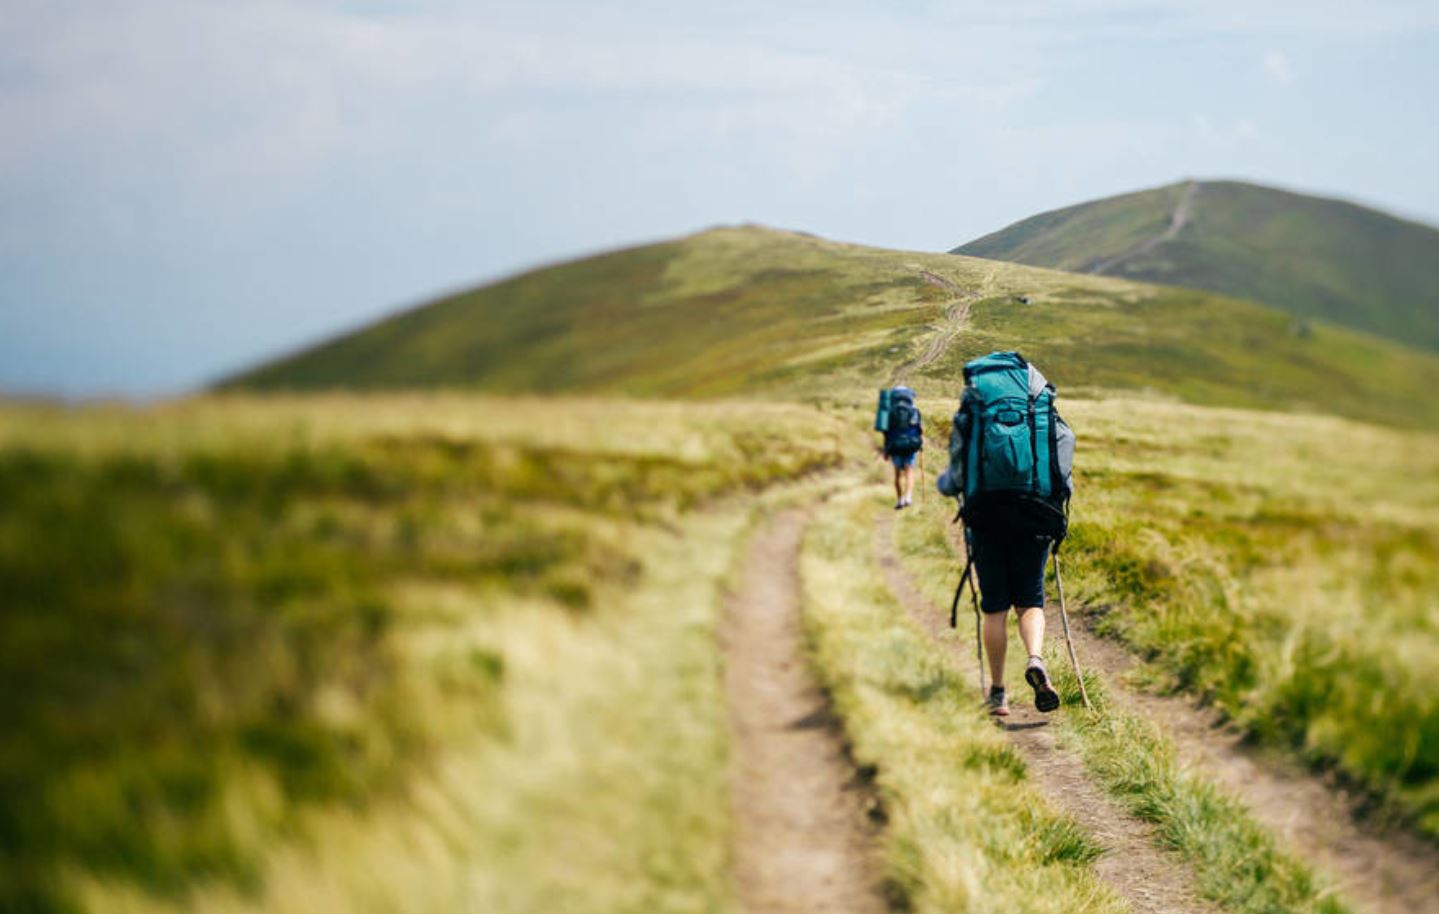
{"type": "Point", "coordinates": [431, 650]}
{"type": "Point", "coordinates": [740, 311]}
{"type": "Point", "coordinates": [1311, 256]}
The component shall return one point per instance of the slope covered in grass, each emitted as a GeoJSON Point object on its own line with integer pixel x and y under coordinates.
{"type": "Point", "coordinates": [232, 625]}
{"type": "Point", "coordinates": [1310, 256]}
{"type": "Point", "coordinates": [757, 312]}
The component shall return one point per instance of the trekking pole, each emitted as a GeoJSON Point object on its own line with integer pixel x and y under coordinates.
{"type": "Point", "coordinates": [978, 635]}
{"type": "Point", "coordinates": [1069, 642]}
{"type": "Point", "coordinates": [954, 614]}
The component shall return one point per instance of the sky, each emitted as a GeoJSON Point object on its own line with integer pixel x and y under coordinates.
{"type": "Point", "coordinates": [188, 187]}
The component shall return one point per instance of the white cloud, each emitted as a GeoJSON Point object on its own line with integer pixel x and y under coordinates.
{"type": "Point", "coordinates": [273, 90]}
{"type": "Point", "coordinates": [1276, 64]}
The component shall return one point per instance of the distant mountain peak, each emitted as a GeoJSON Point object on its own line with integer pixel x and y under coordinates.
{"type": "Point", "coordinates": [1315, 257]}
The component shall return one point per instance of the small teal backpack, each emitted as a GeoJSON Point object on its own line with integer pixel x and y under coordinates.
{"type": "Point", "coordinates": [899, 419]}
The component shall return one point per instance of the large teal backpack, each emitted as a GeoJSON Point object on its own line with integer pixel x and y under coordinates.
{"type": "Point", "coordinates": [1016, 450]}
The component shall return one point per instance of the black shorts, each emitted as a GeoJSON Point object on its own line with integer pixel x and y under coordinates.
{"type": "Point", "coordinates": [1010, 569]}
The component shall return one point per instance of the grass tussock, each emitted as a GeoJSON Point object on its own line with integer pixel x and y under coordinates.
{"type": "Point", "coordinates": [1237, 863]}
{"type": "Point", "coordinates": [965, 830]}
{"type": "Point", "coordinates": [237, 628]}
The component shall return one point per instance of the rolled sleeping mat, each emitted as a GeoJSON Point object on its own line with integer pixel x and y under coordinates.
{"type": "Point", "coordinates": [881, 414]}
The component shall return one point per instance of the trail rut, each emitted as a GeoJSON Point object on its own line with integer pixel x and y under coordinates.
{"type": "Point", "coordinates": [1177, 220]}
{"type": "Point", "coordinates": [1381, 873]}
{"type": "Point", "coordinates": [956, 316]}
{"type": "Point", "coordinates": [1150, 879]}
{"type": "Point", "coordinates": [804, 843]}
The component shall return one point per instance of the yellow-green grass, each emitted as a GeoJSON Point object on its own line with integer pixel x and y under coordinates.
{"type": "Point", "coordinates": [965, 829]}
{"type": "Point", "coordinates": [1236, 862]}
{"type": "Point", "coordinates": [463, 641]}
{"type": "Point", "coordinates": [604, 792]}
{"type": "Point", "coordinates": [1283, 567]}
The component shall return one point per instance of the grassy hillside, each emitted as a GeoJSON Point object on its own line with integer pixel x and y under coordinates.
{"type": "Point", "coordinates": [387, 651]}
{"type": "Point", "coordinates": [260, 654]}
{"type": "Point", "coordinates": [409, 645]}
{"type": "Point", "coordinates": [1310, 256]}
{"type": "Point", "coordinates": [758, 312]}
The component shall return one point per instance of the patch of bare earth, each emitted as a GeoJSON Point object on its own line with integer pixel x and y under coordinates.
{"type": "Point", "coordinates": [804, 841]}
{"type": "Point", "coordinates": [1149, 878]}
{"type": "Point", "coordinates": [1378, 870]}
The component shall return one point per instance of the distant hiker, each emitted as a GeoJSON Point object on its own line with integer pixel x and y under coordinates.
{"type": "Point", "coordinates": [899, 420]}
{"type": "Point", "coordinates": [1010, 456]}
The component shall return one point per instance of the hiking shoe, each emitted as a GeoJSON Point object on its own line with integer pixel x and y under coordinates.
{"type": "Point", "coordinates": [899, 504]}
{"type": "Point", "coordinates": [998, 702]}
{"type": "Point", "coordinates": [1045, 698]}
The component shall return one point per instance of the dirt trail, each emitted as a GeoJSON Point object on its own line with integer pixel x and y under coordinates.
{"type": "Point", "coordinates": [1177, 220]}
{"type": "Point", "coordinates": [956, 315]}
{"type": "Point", "coordinates": [804, 842]}
{"type": "Point", "coordinates": [1150, 879]}
{"type": "Point", "coordinates": [1381, 873]}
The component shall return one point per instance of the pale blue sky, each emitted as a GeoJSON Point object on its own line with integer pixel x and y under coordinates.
{"type": "Point", "coordinates": [188, 186]}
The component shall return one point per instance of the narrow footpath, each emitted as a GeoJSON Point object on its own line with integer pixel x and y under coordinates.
{"type": "Point", "coordinates": [1177, 220]}
{"type": "Point", "coordinates": [1149, 878]}
{"type": "Point", "coordinates": [956, 317]}
{"type": "Point", "coordinates": [1382, 872]}
{"type": "Point", "coordinates": [803, 842]}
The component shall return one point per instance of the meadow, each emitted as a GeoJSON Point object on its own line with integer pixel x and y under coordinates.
{"type": "Point", "coordinates": [412, 652]}
{"type": "Point", "coordinates": [404, 651]}
{"type": "Point", "coordinates": [1285, 568]}
{"type": "Point", "coordinates": [371, 653]}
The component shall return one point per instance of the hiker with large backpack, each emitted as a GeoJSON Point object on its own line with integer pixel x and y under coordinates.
{"type": "Point", "coordinates": [902, 426]}
{"type": "Point", "coordinates": [1010, 460]}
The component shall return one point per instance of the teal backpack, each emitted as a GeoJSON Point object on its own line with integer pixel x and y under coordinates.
{"type": "Point", "coordinates": [1013, 454]}
{"type": "Point", "coordinates": [899, 419]}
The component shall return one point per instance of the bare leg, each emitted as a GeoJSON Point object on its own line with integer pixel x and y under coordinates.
{"type": "Point", "coordinates": [909, 483]}
{"type": "Point", "coordinates": [996, 642]}
{"type": "Point", "coordinates": [1031, 629]}
{"type": "Point", "coordinates": [898, 484]}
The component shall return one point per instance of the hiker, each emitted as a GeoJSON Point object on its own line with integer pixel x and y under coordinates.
{"type": "Point", "coordinates": [899, 420]}
{"type": "Point", "coordinates": [1010, 456]}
